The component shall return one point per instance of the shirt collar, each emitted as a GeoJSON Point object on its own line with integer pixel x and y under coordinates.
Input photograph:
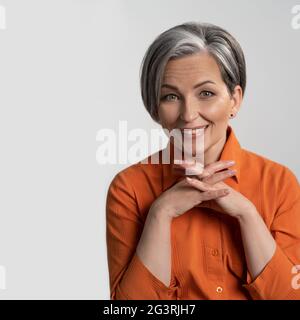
{"type": "Point", "coordinates": [231, 151]}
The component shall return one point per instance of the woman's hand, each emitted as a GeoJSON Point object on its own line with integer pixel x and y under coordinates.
{"type": "Point", "coordinates": [234, 204]}
{"type": "Point", "coordinates": [183, 196]}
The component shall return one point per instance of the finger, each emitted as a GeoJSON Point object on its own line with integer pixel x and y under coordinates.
{"type": "Point", "coordinates": [219, 165]}
{"type": "Point", "coordinates": [200, 185]}
{"type": "Point", "coordinates": [184, 163]}
{"type": "Point", "coordinates": [219, 176]}
{"type": "Point", "coordinates": [209, 170]}
{"type": "Point", "coordinates": [215, 166]}
{"type": "Point", "coordinates": [190, 171]}
{"type": "Point", "coordinates": [210, 195]}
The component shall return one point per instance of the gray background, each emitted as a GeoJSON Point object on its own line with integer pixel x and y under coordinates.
{"type": "Point", "coordinates": [68, 69]}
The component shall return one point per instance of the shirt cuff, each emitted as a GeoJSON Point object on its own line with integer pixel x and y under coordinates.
{"type": "Point", "coordinates": [275, 280]}
{"type": "Point", "coordinates": [138, 283]}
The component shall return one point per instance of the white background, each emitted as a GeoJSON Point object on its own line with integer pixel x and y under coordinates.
{"type": "Point", "coordinates": [70, 68]}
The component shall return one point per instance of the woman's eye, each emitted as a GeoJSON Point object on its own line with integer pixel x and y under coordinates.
{"type": "Point", "coordinates": [173, 97]}
{"type": "Point", "coordinates": [168, 95]}
{"type": "Point", "coordinates": [206, 94]}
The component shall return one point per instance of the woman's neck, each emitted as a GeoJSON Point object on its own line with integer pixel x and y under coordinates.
{"type": "Point", "coordinates": [213, 153]}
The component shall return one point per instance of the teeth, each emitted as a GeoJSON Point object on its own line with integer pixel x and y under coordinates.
{"type": "Point", "coordinates": [193, 131]}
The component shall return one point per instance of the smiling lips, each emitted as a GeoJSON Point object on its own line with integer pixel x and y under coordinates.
{"type": "Point", "coordinates": [194, 130]}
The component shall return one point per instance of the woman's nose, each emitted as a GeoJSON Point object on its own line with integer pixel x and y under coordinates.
{"type": "Point", "coordinates": [188, 112]}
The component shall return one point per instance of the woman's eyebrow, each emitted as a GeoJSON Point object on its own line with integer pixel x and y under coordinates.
{"type": "Point", "coordinates": [166, 85]}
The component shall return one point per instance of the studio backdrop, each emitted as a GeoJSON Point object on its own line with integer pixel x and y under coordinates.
{"type": "Point", "coordinates": [69, 77]}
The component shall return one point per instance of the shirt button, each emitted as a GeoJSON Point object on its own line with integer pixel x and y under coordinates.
{"type": "Point", "coordinates": [219, 289]}
{"type": "Point", "coordinates": [215, 252]}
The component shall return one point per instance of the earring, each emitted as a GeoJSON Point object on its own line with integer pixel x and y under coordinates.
{"type": "Point", "coordinates": [231, 115]}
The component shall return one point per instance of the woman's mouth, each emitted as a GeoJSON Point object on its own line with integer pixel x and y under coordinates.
{"type": "Point", "coordinates": [194, 131]}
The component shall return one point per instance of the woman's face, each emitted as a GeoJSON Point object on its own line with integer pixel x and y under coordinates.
{"type": "Point", "coordinates": [193, 94]}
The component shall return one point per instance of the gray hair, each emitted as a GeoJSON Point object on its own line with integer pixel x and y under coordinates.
{"type": "Point", "coordinates": [185, 39]}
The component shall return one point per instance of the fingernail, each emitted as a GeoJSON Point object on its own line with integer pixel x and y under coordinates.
{"type": "Point", "coordinates": [231, 171]}
{"type": "Point", "coordinates": [230, 162]}
{"type": "Point", "coordinates": [189, 161]}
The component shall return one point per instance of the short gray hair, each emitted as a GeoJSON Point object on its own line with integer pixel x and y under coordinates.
{"type": "Point", "coordinates": [185, 39]}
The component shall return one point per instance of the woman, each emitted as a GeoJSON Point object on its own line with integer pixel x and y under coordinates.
{"type": "Point", "coordinates": [229, 232]}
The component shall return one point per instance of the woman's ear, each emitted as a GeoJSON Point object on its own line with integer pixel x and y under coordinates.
{"type": "Point", "coordinates": [237, 98]}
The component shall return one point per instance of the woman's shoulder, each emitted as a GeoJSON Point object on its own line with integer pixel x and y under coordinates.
{"type": "Point", "coordinates": [277, 184]}
{"type": "Point", "coordinates": [268, 169]}
{"type": "Point", "coordinates": [137, 173]}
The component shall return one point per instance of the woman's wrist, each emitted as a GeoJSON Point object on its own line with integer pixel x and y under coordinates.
{"type": "Point", "coordinates": [247, 215]}
{"type": "Point", "coordinates": [160, 214]}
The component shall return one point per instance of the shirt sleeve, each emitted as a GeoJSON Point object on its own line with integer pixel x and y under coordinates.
{"type": "Point", "coordinates": [277, 279]}
{"type": "Point", "coordinates": [129, 277]}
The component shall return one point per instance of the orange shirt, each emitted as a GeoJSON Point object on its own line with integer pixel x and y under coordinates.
{"type": "Point", "coordinates": [208, 260]}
